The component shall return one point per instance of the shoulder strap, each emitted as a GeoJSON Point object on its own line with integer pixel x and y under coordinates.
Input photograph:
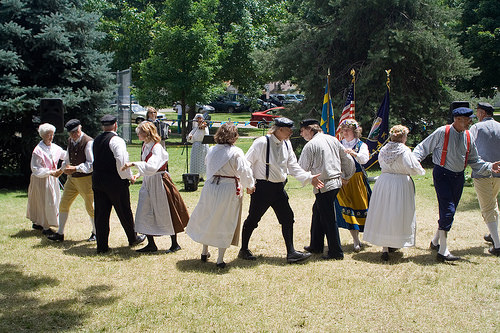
{"type": "Point", "coordinates": [267, 157]}
{"type": "Point", "coordinates": [445, 145]}
{"type": "Point", "coordinates": [358, 145]}
{"type": "Point", "coordinates": [467, 134]}
{"type": "Point", "coordinates": [150, 152]}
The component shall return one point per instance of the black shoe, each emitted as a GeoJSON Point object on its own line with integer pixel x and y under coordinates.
{"type": "Point", "coordinates": [48, 232]}
{"type": "Point", "coordinates": [148, 249]}
{"type": "Point", "coordinates": [37, 226]}
{"type": "Point", "coordinates": [494, 251]}
{"type": "Point", "coordinates": [173, 249]}
{"type": "Point", "coordinates": [56, 237]}
{"type": "Point", "coordinates": [385, 256]}
{"type": "Point", "coordinates": [434, 247]}
{"type": "Point", "coordinates": [393, 249]}
{"type": "Point", "coordinates": [449, 257]}
{"type": "Point", "coordinates": [102, 251]}
{"type": "Point", "coordinates": [487, 238]}
{"type": "Point", "coordinates": [246, 254]}
{"type": "Point", "coordinates": [204, 257]}
{"type": "Point", "coordinates": [138, 240]}
{"type": "Point", "coordinates": [297, 256]}
{"type": "Point", "coordinates": [310, 249]}
{"type": "Point", "coordinates": [330, 257]}
{"type": "Point", "coordinates": [92, 238]}
{"type": "Point", "coordinates": [221, 265]}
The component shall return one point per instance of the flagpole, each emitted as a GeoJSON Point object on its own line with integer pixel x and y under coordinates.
{"type": "Point", "coordinates": [388, 83]}
{"type": "Point", "coordinates": [353, 74]}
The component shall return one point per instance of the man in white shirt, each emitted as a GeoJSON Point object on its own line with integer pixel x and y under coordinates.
{"type": "Point", "coordinates": [78, 165]}
{"type": "Point", "coordinates": [111, 184]}
{"type": "Point", "coordinates": [324, 154]}
{"type": "Point", "coordinates": [272, 159]}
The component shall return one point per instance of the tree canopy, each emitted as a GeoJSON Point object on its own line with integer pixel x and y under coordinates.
{"type": "Point", "coordinates": [47, 50]}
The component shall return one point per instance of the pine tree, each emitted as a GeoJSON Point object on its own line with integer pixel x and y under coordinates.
{"type": "Point", "coordinates": [47, 49]}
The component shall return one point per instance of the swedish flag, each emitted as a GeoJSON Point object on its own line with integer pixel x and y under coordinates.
{"type": "Point", "coordinates": [327, 119]}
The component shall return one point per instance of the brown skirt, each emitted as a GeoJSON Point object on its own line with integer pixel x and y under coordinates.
{"type": "Point", "coordinates": [178, 209]}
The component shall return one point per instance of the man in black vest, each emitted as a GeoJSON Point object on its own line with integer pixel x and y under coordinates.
{"type": "Point", "coordinates": [78, 166]}
{"type": "Point", "coordinates": [110, 184]}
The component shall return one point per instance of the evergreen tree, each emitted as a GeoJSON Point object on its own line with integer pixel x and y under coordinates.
{"type": "Point", "coordinates": [47, 50]}
{"type": "Point", "coordinates": [411, 37]}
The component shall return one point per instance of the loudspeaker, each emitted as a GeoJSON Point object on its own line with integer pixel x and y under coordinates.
{"type": "Point", "coordinates": [52, 112]}
{"type": "Point", "coordinates": [191, 181]}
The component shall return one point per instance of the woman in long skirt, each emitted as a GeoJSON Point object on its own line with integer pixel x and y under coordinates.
{"type": "Point", "coordinates": [160, 209]}
{"type": "Point", "coordinates": [351, 204]}
{"type": "Point", "coordinates": [216, 218]}
{"type": "Point", "coordinates": [199, 150]}
{"type": "Point", "coordinates": [44, 192]}
{"type": "Point", "coordinates": [391, 220]}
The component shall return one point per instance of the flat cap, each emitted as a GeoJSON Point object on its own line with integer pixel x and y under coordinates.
{"type": "Point", "coordinates": [486, 107]}
{"type": "Point", "coordinates": [463, 112]}
{"type": "Point", "coordinates": [307, 122]}
{"type": "Point", "coordinates": [283, 122]}
{"type": "Point", "coordinates": [108, 119]}
{"type": "Point", "coordinates": [72, 125]}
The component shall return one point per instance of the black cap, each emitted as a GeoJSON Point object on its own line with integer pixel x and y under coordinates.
{"type": "Point", "coordinates": [307, 122]}
{"type": "Point", "coordinates": [463, 112]}
{"type": "Point", "coordinates": [283, 122]}
{"type": "Point", "coordinates": [486, 107]}
{"type": "Point", "coordinates": [108, 119]}
{"type": "Point", "coordinates": [72, 125]}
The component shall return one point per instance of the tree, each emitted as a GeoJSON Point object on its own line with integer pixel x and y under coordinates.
{"type": "Point", "coordinates": [480, 37]}
{"type": "Point", "coordinates": [409, 37]}
{"type": "Point", "coordinates": [47, 50]}
{"type": "Point", "coordinates": [184, 59]}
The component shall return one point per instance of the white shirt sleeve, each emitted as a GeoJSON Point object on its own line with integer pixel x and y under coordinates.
{"type": "Point", "coordinates": [363, 154]}
{"type": "Point", "coordinates": [119, 150]}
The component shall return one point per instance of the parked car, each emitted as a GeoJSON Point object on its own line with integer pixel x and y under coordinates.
{"type": "Point", "coordinates": [263, 105]}
{"type": "Point", "coordinates": [138, 114]}
{"type": "Point", "coordinates": [262, 119]}
{"type": "Point", "coordinates": [223, 103]}
{"type": "Point", "coordinates": [292, 98]}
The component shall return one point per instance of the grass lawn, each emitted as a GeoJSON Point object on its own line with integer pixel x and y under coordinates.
{"type": "Point", "coordinates": [46, 286]}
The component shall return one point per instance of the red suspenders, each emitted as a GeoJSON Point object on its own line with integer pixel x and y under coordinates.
{"type": "Point", "coordinates": [445, 146]}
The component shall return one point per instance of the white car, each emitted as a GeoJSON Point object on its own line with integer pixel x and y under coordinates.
{"type": "Point", "coordinates": [138, 114]}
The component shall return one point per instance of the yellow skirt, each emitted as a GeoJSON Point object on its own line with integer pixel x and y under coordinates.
{"type": "Point", "coordinates": [351, 205]}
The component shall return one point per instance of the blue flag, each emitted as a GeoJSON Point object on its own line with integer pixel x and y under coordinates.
{"type": "Point", "coordinates": [327, 120]}
{"type": "Point", "coordinates": [379, 132]}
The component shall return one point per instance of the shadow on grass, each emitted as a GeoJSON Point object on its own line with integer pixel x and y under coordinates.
{"type": "Point", "coordinates": [428, 259]}
{"type": "Point", "coordinates": [27, 233]}
{"type": "Point", "coordinates": [23, 312]}
{"type": "Point", "coordinates": [196, 265]}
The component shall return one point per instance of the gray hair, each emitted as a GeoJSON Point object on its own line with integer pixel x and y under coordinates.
{"type": "Point", "coordinates": [43, 129]}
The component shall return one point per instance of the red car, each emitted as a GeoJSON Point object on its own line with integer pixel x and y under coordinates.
{"type": "Point", "coordinates": [262, 119]}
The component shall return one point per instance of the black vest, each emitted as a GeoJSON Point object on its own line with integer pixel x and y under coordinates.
{"type": "Point", "coordinates": [77, 154]}
{"type": "Point", "coordinates": [105, 173]}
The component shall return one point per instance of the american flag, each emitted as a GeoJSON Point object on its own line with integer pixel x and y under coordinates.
{"type": "Point", "coordinates": [348, 111]}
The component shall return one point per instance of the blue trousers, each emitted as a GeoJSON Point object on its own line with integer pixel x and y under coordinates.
{"type": "Point", "coordinates": [449, 186]}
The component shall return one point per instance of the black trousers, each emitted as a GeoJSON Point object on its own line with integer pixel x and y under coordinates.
{"type": "Point", "coordinates": [268, 194]}
{"type": "Point", "coordinates": [106, 197]}
{"type": "Point", "coordinates": [324, 223]}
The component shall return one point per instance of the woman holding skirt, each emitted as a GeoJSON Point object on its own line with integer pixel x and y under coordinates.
{"type": "Point", "coordinates": [391, 220]}
{"type": "Point", "coordinates": [216, 218]}
{"type": "Point", "coordinates": [351, 204]}
{"type": "Point", "coordinates": [160, 209]}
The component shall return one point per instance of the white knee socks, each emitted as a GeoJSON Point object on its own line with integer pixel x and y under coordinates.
{"type": "Point", "coordinates": [443, 248]}
{"type": "Point", "coordinates": [493, 228]}
{"type": "Point", "coordinates": [204, 251]}
{"type": "Point", "coordinates": [63, 217]}
{"type": "Point", "coordinates": [220, 259]}
{"type": "Point", "coordinates": [92, 223]}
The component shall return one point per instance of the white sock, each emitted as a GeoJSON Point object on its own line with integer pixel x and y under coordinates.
{"type": "Point", "coordinates": [443, 248]}
{"type": "Point", "coordinates": [355, 237]}
{"type": "Point", "coordinates": [435, 240]}
{"type": "Point", "coordinates": [220, 259]}
{"type": "Point", "coordinates": [493, 228]}
{"type": "Point", "coordinates": [204, 251]}
{"type": "Point", "coordinates": [63, 217]}
{"type": "Point", "coordinates": [93, 224]}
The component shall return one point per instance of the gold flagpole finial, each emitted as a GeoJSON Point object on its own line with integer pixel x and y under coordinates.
{"type": "Point", "coordinates": [353, 74]}
{"type": "Point", "coordinates": [388, 83]}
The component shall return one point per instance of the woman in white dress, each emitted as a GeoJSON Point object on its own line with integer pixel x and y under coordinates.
{"type": "Point", "coordinates": [156, 215]}
{"type": "Point", "coordinates": [216, 218]}
{"type": "Point", "coordinates": [351, 204]}
{"type": "Point", "coordinates": [391, 220]}
{"type": "Point", "coordinates": [199, 150]}
{"type": "Point", "coordinates": [44, 192]}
